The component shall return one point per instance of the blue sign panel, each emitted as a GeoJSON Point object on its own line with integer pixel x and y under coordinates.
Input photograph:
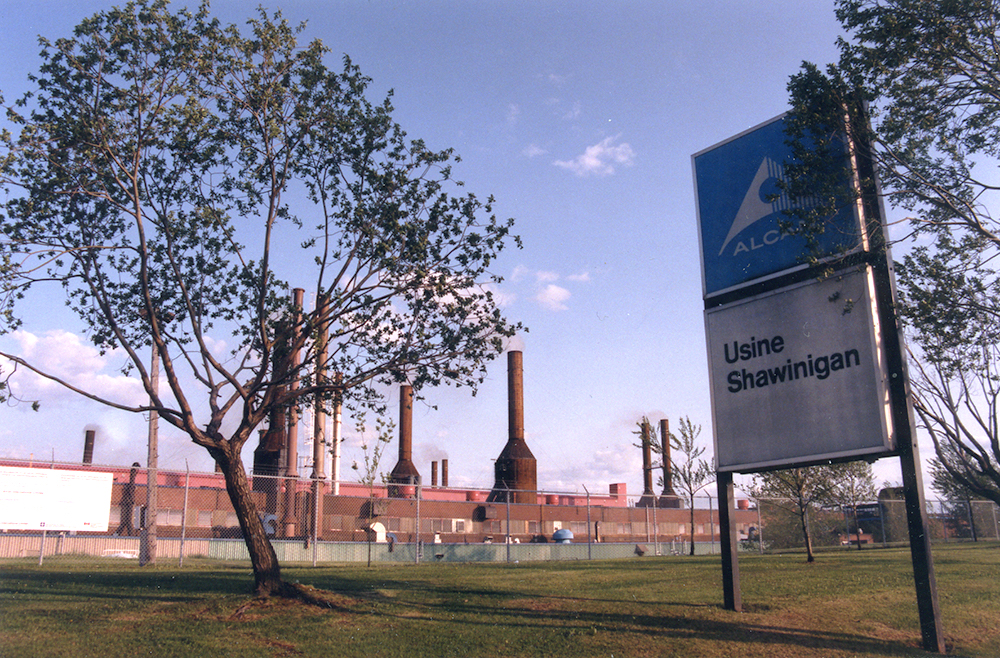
{"type": "Point", "coordinates": [740, 207]}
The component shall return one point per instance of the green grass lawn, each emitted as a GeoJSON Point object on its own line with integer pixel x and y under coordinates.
{"type": "Point", "coordinates": [848, 603]}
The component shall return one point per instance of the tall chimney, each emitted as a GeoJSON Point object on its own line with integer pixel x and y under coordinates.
{"type": "Point", "coordinates": [88, 447]}
{"type": "Point", "coordinates": [444, 473]}
{"type": "Point", "coordinates": [319, 412]}
{"type": "Point", "coordinates": [404, 476]}
{"type": "Point", "coordinates": [648, 498]}
{"type": "Point", "coordinates": [292, 435]}
{"type": "Point", "coordinates": [669, 497]}
{"type": "Point", "coordinates": [515, 468]}
{"type": "Point", "coordinates": [434, 474]}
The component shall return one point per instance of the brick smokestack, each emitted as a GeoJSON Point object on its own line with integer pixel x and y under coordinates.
{"type": "Point", "coordinates": [404, 477]}
{"type": "Point", "coordinates": [88, 446]}
{"type": "Point", "coordinates": [515, 468]}
{"type": "Point", "coordinates": [444, 473]}
{"type": "Point", "coordinates": [434, 474]}
{"type": "Point", "coordinates": [648, 498]}
{"type": "Point", "coordinates": [669, 497]}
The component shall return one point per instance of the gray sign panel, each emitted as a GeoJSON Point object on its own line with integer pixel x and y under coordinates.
{"type": "Point", "coordinates": [796, 376]}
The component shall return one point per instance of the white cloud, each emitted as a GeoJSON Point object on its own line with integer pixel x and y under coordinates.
{"type": "Point", "coordinates": [65, 355]}
{"type": "Point", "coordinates": [546, 293]}
{"type": "Point", "coordinates": [574, 112]}
{"type": "Point", "coordinates": [600, 159]}
{"type": "Point", "coordinates": [519, 272]}
{"type": "Point", "coordinates": [533, 151]}
{"type": "Point", "coordinates": [553, 297]}
{"type": "Point", "coordinates": [513, 114]}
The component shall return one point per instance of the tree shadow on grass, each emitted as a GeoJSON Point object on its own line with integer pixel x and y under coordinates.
{"type": "Point", "coordinates": [154, 584]}
{"type": "Point", "coordinates": [671, 621]}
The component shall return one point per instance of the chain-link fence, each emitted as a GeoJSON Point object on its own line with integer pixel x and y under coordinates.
{"type": "Point", "coordinates": [321, 522]}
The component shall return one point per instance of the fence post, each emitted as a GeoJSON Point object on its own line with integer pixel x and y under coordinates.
{"type": "Point", "coordinates": [416, 546]}
{"type": "Point", "coordinates": [711, 522]}
{"type": "Point", "coordinates": [972, 520]}
{"type": "Point", "coordinates": [589, 539]}
{"type": "Point", "coordinates": [315, 519]}
{"type": "Point", "coordinates": [760, 530]}
{"type": "Point", "coordinates": [881, 522]}
{"type": "Point", "coordinates": [507, 498]}
{"type": "Point", "coordinates": [656, 534]}
{"type": "Point", "coordinates": [184, 512]}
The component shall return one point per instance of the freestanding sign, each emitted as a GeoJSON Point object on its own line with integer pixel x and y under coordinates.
{"type": "Point", "coordinates": [806, 360]}
{"type": "Point", "coordinates": [796, 372]}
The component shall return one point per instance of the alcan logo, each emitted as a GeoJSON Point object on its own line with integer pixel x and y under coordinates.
{"type": "Point", "coordinates": [762, 200]}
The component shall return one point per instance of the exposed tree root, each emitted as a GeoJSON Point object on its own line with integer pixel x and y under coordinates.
{"type": "Point", "coordinates": [293, 592]}
{"type": "Point", "coordinates": [312, 596]}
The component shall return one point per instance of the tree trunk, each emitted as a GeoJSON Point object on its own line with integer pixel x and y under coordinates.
{"type": "Point", "coordinates": [692, 524]}
{"type": "Point", "coordinates": [266, 570]}
{"type": "Point", "coordinates": [806, 535]}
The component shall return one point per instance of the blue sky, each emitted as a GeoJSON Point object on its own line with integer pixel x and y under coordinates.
{"type": "Point", "coordinates": [581, 119]}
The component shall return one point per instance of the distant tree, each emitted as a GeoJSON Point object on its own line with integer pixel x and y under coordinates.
{"type": "Point", "coordinates": [915, 96]}
{"type": "Point", "coordinates": [166, 166]}
{"type": "Point", "coordinates": [691, 473]}
{"type": "Point", "coordinates": [853, 484]}
{"type": "Point", "coordinates": [960, 497]}
{"type": "Point", "coordinates": [802, 490]}
{"type": "Point", "coordinates": [370, 473]}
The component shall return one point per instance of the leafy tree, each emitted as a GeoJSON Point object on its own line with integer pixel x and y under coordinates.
{"type": "Point", "coordinates": [962, 499]}
{"type": "Point", "coordinates": [167, 168]}
{"type": "Point", "coordinates": [916, 94]}
{"type": "Point", "coordinates": [369, 472]}
{"type": "Point", "coordinates": [691, 473]}
{"type": "Point", "coordinates": [800, 490]}
{"type": "Point", "coordinates": [854, 484]}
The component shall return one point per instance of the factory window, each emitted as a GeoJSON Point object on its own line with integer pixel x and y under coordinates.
{"type": "Point", "coordinates": [169, 516]}
{"type": "Point", "coordinates": [392, 524]}
{"type": "Point", "coordinates": [534, 527]}
{"type": "Point", "coordinates": [437, 525]}
{"type": "Point", "coordinates": [335, 522]}
{"type": "Point", "coordinates": [204, 519]}
{"type": "Point", "coordinates": [459, 525]}
{"type": "Point", "coordinates": [578, 527]}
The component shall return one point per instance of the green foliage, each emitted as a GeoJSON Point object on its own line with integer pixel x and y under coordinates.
{"type": "Point", "coordinates": [167, 170]}
{"type": "Point", "coordinates": [372, 449]}
{"type": "Point", "coordinates": [165, 159]}
{"type": "Point", "coordinates": [915, 97]}
{"type": "Point", "coordinates": [691, 472]}
{"type": "Point", "coordinates": [802, 492]}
